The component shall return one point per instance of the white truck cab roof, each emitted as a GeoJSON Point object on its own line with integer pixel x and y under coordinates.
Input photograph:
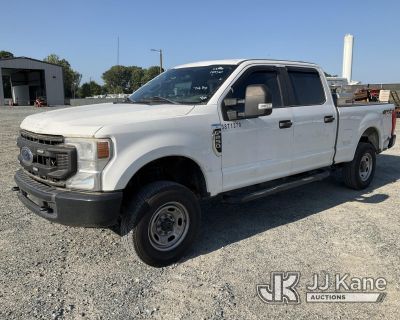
{"type": "Point", "coordinates": [240, 61]}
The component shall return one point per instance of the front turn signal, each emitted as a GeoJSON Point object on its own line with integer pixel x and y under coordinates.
{"type": "Point", "coordinates": [103, 150]}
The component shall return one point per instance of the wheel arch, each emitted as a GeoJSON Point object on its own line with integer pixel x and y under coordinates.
{"type": "Point", "coordinates": [177, 168]}
{"type": "Point", "coordinates": [371, 135]}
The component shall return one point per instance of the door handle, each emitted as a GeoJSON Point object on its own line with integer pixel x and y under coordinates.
{"type": "Point", "coordinates": [328, 119]}
{"type": "Point", "coordinates": [283, 124]}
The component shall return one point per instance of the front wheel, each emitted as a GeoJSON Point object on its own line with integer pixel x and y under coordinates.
{"type": "Point", "coordinates": [359, 173]}
{"type": "Point", "coordinates": [161, 222]}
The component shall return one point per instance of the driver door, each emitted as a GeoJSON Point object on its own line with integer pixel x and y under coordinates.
{"type": "Point", "coordinates": [257, 149]}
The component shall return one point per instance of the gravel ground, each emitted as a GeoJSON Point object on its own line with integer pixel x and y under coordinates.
{"type": "Point", "coordinates": [48, 271]}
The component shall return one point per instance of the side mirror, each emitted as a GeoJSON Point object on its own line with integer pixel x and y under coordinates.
{"type": "Point", "coordinates": [258, 101]}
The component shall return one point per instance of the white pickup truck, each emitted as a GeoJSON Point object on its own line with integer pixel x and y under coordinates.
{"type": "Point", "coordinates": [240, 129]}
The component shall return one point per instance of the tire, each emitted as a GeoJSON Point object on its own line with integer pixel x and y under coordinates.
{"type": "Point", "coordinates": [356, 175]}
{"type": "Point", "coordinates": [161, 222]}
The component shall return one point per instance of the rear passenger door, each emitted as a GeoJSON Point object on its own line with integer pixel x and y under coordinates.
{"type": "Point", "coordinates": [314, 118]}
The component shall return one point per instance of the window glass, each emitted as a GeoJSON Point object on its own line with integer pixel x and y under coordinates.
{"type": "Point", "coordinates": [192, 85]}
{"type": "Point", "coordinates": [307, 87]}
{"type": "Point", "coordinates": [267, 78]}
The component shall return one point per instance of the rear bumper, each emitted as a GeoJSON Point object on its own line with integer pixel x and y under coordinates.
{"type": "Point", "coordinates": [68, 207]}
{"type": "Point", "coordinates": [392, 141]}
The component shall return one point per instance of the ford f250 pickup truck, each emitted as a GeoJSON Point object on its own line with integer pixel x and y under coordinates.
{"type": "Point", "coordinates": [239, 129]}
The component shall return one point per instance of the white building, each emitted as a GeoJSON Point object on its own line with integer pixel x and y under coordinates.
{"type": "Point", "coordinates": [22, 80]}
{"type": "Point", "coordinates": [348, 57]}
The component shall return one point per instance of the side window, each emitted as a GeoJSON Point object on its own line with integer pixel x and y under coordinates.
{"type": "Point", "coordinates": [307, 87]}
{"type": "Point", "coordinates": [266, 77]}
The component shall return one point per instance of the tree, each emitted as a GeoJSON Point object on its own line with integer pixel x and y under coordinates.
{"type": "Point", "coordinates": [72, 78]}
{"type": "Point", "coordinates": [117, 79]}
{"type": "Point", "coordinates": [6, 54]}
{"type": "Point", "coordinates": [151, 73]}
{"type": "Point", "coordinates": [137, 75]}
{"type": "Point", "coordinates": [122, 79]}
{"type": "Point", "coordinates": [90, 89]}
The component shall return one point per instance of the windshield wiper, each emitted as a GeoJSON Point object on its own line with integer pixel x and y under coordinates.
{"type": "Point", "coordinates": [157, 98]}
{"type": "Point", "coordinates": [127, 100]}
{"type": "Point", "coordinates": [135, 101]}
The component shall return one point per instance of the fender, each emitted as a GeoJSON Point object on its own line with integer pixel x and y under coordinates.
{"type": "Point", "coordinates": [370, 121]}
{"type": "Point", "coordinates": [351, 128]}
{"type": "Point", "coordinates": [130, 159]}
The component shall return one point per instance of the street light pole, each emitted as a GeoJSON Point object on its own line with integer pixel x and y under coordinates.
{"type": "Point", "coordinates": [161, 61]}
{"type": "Point", "coordinates": [161, 58]}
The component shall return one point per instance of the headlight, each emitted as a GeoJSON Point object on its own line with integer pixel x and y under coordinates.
{"type": "Point", "coordinates": [93, 156]}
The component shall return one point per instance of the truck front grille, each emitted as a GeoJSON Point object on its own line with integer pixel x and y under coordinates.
{"type": "Point", "coordinates": [41, 138]}
{"type": "Point", "coordinates": [46, 157]}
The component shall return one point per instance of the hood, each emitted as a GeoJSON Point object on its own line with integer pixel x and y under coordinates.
{"type": "Point", "coordinates": [85, 121]}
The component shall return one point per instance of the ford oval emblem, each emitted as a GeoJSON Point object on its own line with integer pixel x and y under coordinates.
{"type": "Point", "coordinates": [26, 156]}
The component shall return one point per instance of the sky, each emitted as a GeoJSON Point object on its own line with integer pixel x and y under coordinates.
{"type": "Point", "coordinates": [85, 33]}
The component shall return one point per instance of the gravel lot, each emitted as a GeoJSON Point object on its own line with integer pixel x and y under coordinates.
{"type": "Point", "coordinates": [48, 271]}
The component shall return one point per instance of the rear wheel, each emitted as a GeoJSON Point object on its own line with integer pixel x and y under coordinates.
{"type": "Point", "coordinates": [359, 173]}
{"type": "Point", "coordinates": [161, 222]}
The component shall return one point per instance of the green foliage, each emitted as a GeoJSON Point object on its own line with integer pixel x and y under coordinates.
{"type": "Point", "coordinates": [117, 79]}
{"type": "Point", "coordinates": [90, 89]}
{"type": "Point", "coordinates": [6, 54]}
{"type": "Point", "coordinates": [123, 79]}
{"type": "Point", "coordinates": [151, 73]}
{"type": "Point", "coordinates": [72, 78]}
{"type": "Point", "coordinates": [137, 75]}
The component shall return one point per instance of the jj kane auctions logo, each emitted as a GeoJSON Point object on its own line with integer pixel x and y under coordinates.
{"type": "Point", "coordinates": [322, 289]}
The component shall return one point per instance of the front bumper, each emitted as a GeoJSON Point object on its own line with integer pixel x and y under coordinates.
{"type": "Point", "coordinates": [392, 141]}
{"type": "Point", "coordinates": [100, 209]}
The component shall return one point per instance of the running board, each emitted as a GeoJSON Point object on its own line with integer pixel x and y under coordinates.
{"type": "Point", "coordinates": [242, 197]}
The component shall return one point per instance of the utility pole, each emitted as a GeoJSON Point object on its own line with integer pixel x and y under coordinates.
{"type": "Point", "coordinates": [118, 51]}
{"type": "Point", "coordinates": [161, 58]}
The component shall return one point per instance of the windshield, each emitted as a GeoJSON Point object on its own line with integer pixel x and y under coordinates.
{"type": "Point", "coordinates": [194, 85]}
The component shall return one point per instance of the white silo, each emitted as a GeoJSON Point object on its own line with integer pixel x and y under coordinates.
{"type": "Point", "coordinates": [347, 57]}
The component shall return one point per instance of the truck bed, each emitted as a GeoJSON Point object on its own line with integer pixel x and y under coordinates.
{"type": "Point", "coordinates": [355, 119]}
